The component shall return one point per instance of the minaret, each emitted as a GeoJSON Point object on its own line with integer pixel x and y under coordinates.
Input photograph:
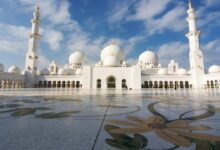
{"type": "Point", "coordinates": [32, 53]}
{"type": "Point", "coordinates": [195, 53]}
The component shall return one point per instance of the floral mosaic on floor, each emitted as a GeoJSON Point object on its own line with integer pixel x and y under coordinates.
{"type": "Point", "coordinates": [129, 133]}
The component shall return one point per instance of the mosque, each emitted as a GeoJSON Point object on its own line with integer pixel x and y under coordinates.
{"type": "Point", "coordinates": [112, 71]}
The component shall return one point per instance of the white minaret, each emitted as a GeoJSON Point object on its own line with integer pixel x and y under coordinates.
{"type": "Point", "coordinates": [32, 54]}
{"type": "Point", "coordinates": [195, 54]}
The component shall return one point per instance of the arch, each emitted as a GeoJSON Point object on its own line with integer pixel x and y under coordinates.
{"type": "Point", "coordinates": [166, 84]}
{"type": "Point", "coordinates": [59, 84]}
{"type": "Point", "coordinates": [98, 83]}
{"type": "Point", "coordinates": [54, 84]}
{"type": "Point", "coordinates": [123, 83]}
{"type": "Point", "coordinates": [181, 85]}
{"type": "Point", "coordinates": [212, 84]}
{"type": "Point", "coordinates": [171, 84]}
{"type": "Point", "coordinates": [186, 84]}
{"type": "Point", "coordinates": [63, 84]}
{"type": "Point", "coordinates": [68, 84]}
{"type": "Point", "coordinates": [111, 82]}
{"type": "Point", "coordinates": [73, 84]}
{"type": "Point", "coordinates": [176, 85]}
{"type": "Point", "coordinates": [77, 84]}
{"type": "Point", "coordinates": [216, 83]}
{"type": "Point", "coordinates": [208, 84]}
{"type": "Point", "coordinates": [161, 84]}
{"type": "Point", "coordinates": [146, 84]}
{"type": "Point", "coordinates": [49, 84]}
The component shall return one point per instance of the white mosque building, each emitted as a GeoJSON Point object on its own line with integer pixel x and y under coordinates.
{"type": "Point", "coordinates": [112, 71]}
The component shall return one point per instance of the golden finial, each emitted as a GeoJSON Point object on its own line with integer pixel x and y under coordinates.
{"type": "Point", "coordinates": [114, 42]}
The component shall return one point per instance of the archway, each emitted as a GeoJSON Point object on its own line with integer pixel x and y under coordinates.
{"type": "Point", "coordinates": [99, 83]}
{"type": "Point", "coordinates": [123, 83]}
{"type": "Point", "coordinates": [111, 82]}
{"type": "Point", "coordinates": [77, 84]}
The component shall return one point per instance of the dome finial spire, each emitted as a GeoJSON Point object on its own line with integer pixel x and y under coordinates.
{"type": "Point", "coordinates": [190, 4]}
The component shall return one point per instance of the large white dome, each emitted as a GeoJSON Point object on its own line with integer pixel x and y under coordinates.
{"type": "Point", "coordinates": [111, 61]}
{"type": "Point", "coordinates": [214, 69]}
{"type": "Point", "coordinates": [112, 50]}
{"type": "Point", "coordinates": [44, 72]}
{"type": "Point", "coordinates": [14, 69]}
{"type": "Point", "coordinates": [181, 71]}
{"type": "Point", "coordinates": [148, 57]}
{"type": "Point", "coordinates": [77, 57]}
{"type": "Point", "coordinates": [2, 67]}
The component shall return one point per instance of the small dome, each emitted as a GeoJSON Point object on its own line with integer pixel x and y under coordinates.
{"type": "Point", "coordinates": [214, 69]}
{"type": "Point", "coordinates": [148, 57]}
{"type": "Point", "coordinates": [181, 71]}
{"type": "Point", "coordinates": [14, 69]}
{"type": "Point", "coordinates": [62, 72]}
{"type": "Point", "coordinates": [111, 61]}
{"type": "Point", "coordinates": [77, 57]}
{"type": "Point", "coordinates": [79, 71]}
{"type": "Point", "coordinates": [172, 61]}
{"type": "Point", "coordinates": [45, 72]}
{"type": "Point", "coordinates": [2, 67]}
{"type": "Point", "coordinates": [112, 50]}
{"type": "Point", "coordinates": [124, 63]}
{"type": "Point", "coordinates": [162, 71]}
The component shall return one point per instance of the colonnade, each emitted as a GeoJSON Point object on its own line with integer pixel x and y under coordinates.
{"type": "Point", "coordinates": [167, 84]}
{"type": "Point", "coordinates": [212, 84]}
{"type": "Point", "coordinates": [58, 84]}
{"type": "Point", "coordinates": [11, 84]}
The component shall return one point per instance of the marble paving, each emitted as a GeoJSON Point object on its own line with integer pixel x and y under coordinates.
{"type": "Point", "coordinates": [109, 120]}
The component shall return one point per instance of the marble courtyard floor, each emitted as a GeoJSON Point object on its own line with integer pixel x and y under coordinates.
{"type": "Point", "coordinates": [47, 119]}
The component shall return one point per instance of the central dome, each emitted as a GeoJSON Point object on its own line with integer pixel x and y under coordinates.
{"type": "Point", "coordinates": [148, 57]}
{"type": "Point", "coordinates": [112, 50]}
{"type": "Point", "coordinates": [111, 61]}
{"type": "Point", "coordinates": [77, 57]}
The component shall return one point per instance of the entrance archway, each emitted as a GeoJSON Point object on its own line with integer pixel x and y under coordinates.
{"type": "Point", "coordinates": [111, 82]}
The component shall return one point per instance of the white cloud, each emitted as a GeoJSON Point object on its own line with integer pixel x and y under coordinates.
{"type": "Point", "coordinates": [11, 46]}
{"type": "Point", "coordinates": [155, 15]}
{"type": "Point", "coordinates": [56, 12]}
{"type": "Point", "coordinates": [211, 3]}
{"type": "Point", "coordinates": [120, 11]}
{"type": "Point", "coordinates": [132, 61]}
{"type": "Point", "coordinates": [172, 20]}
{"type": "Point", "coordinates": [43, 61]}
{"type": "Point", "coordinates": [82, 41]}
{"type": "Point", "coordinates": [174, 50]}
{"type": "Point", "coordinates": [53, 38]}
{"type": "Point", "coordinates": [147, 9]}
{"type": "Point", "coordinates": [212, 46]}
{"type": "Point", "coordinates": [13, 39]}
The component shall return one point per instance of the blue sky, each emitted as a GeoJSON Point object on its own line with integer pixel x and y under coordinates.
{"type": "Point", "coordinates": [89, 25]}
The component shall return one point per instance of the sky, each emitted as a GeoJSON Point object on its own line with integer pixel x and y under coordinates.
{"type": "Point", "coordinates": [90, 25]}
